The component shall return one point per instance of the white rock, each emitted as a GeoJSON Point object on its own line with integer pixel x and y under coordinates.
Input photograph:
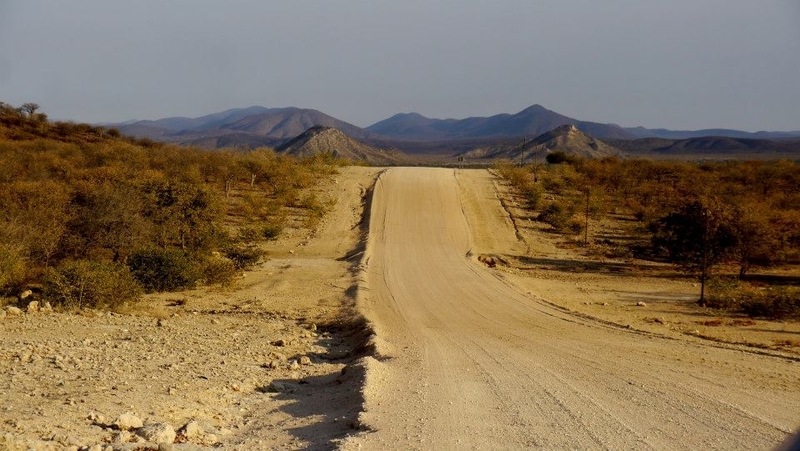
{"type": "Point", "coordinates": [24, 295]}
{"type": "Point", "coordinates": [47, 308]}
{"type": "Point", "coordinates": [641, 304]}
{"type": "Point", "coordinates": [157, 433]}
{"type": "Point", "coordinates": [305, 360]}
{"type": "Point", "coordinates": [33, 306]}
{"type": "Point", "coordinates": [128, 421]}
{"type": "Point", "coordinates": [13, 311]}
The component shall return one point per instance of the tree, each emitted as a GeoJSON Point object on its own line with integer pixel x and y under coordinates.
{"type": "Point", "coordinates": [29, 108]}
{"type": "Point", "coordinates": [696, 236]}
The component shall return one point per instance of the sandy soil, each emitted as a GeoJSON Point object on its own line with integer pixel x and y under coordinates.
{"type": "Point", "coordinates": [473, 357]}
{"type": "Point", "coordinates": [545, 350]}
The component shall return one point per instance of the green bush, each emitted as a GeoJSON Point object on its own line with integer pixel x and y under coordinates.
{"type": "Point", "coordinates": [532, 193]}
{"type": "Point", "coordinates": [219, 270]}
{"type": "Point", "coordinates": [163, 269]}
{"type": "Point", "coordinates": [272, 231]}
{"type": "Point", "coordinates": [769, 302]}
{"type": "Point", "coordinates": [86, 283]}
{"type": "Point", "coordinates": [773, 303]}
{"type": "Point", "coordinates": [560, 216]}
{"type": "Point", "coordinates": [248, 234]}
{"type": "Point", "coordinates": [243, 256]}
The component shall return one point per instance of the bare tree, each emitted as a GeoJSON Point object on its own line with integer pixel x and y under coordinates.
{"type": "Point", "coordinates": [29, 108]}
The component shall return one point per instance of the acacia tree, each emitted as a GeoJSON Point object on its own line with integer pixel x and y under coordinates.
{"type": "Point", "coordinates": [696, 236]}
{"type": "Point", "coordinates": [29, 108]}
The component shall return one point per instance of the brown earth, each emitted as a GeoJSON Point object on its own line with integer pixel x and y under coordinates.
{"type": "Point", "coordinates": [547, 349]}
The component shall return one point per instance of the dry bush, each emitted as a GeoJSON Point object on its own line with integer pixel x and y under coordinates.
{"type": "Point", "coordinates": [84, 283]}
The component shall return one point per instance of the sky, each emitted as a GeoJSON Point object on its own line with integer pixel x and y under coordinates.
{"type": "Point", "coordinates": [678, 64]}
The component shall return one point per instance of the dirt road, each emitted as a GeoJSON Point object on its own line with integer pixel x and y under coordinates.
{"type": "Point", "coordinates": [468, 361]}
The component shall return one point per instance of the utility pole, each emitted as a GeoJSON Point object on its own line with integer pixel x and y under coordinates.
{"type": "Point", "coordinates": [704, 269]}
{"type": "Point", "coordinates": [522, 153]}
{"type": "Point", "coordinates": [586, 228]}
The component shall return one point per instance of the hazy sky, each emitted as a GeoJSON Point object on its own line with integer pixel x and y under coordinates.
{"type": "Point", "coordinates": [674, 64]}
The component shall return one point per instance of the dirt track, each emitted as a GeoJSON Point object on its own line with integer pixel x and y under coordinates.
{"type": "Point", "coordinates": [466, 360]}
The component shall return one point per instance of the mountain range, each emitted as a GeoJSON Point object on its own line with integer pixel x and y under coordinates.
{"type": "Point", "coordinates": [410, 132]}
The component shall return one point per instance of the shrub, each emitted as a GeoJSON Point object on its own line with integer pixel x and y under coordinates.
{"type": "Point", "coordinates": [532, 193]}
{"type": "Point", "coordinates": [243, 256]}
{"type": "Point", "coordinates": [560, 216]}
{"type": "Point", "coordinates": [219, 270]}
{"type": "Point", "coordinates": [773, 303]}
{"type": "Point", "coordinates": [86, 283]}
{"type": "Point", "coordinates": [272, 231]}
{"type": "Point", "coordinates": [770, 302]}
{"type": "Point", "coordinates": [559, 157]}
{"type": "Point", "coordinates": [163, 269]}
{"type": "Point", "coordinates": [248, 234]}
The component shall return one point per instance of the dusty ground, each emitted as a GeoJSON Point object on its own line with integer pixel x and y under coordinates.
{"type": "Point", "coordinates": [207, 355]}
{"type": "Point", "coordinates": [470, 357]}
{"type": "Point", "coordinates": [581, 280]}
{"type": "Point", "coordinates": [466, 356]}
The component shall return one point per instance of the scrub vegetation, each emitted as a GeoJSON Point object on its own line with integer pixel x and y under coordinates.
{"type": "Point", "coordinates": [92, 218]}
{"type": "Point", "coordinates": [719, 221]}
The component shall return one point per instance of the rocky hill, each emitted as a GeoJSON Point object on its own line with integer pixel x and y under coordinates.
{"type": "Point", "coordinates": [328, 140]}
{"type": "Point", "coordinates": [565, 138]}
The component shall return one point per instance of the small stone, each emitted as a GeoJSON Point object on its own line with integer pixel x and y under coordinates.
{"type": "Point", "coordinates": [305, 360]}
{"type": "Point", "coordinates": [33, 306]}
{"type": "Point", "coordinates": [122, 437]}
{"type": "Point", "coordinates": [13, 311]}
{"type": "Point", "coordinates": [157, 433]}
{"type": "Point", "coordinates": [192, 430]}
{"type": "Point", "coordinates": [278, 387]}
{"type": "Point", "coordinates": [641, 304]}
{"type": "Point", "coordinates": [128, 421]}
{"type": "Point", "coordinates": [24, 295]}
{"type": "Point", "coordinates": [279, 343]}
{"type": "Point", "coordinates": [604, 304]}
{"type": "Point", "coordinates": [161, 322]}
{"type": "Point", "coordinates": [96, 448]}
{"type": "Point", "coordinates": [47, 308]}
{"type": "Point", "coordinates": [293, 365]}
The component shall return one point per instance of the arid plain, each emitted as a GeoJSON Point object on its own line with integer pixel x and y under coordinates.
{"type": "Point", "coordinates": [384, 329]}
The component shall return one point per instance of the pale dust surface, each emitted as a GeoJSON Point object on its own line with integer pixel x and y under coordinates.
{"type": "Point", "coordinates": [475, 358]}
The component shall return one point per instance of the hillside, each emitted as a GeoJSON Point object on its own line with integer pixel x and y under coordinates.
{"type": "Point", "coordinates": [326, 140]}
{"type": "Point", "coordinates": [565, 138]}
{"type": "Point", "coordinates": [716, 146]}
